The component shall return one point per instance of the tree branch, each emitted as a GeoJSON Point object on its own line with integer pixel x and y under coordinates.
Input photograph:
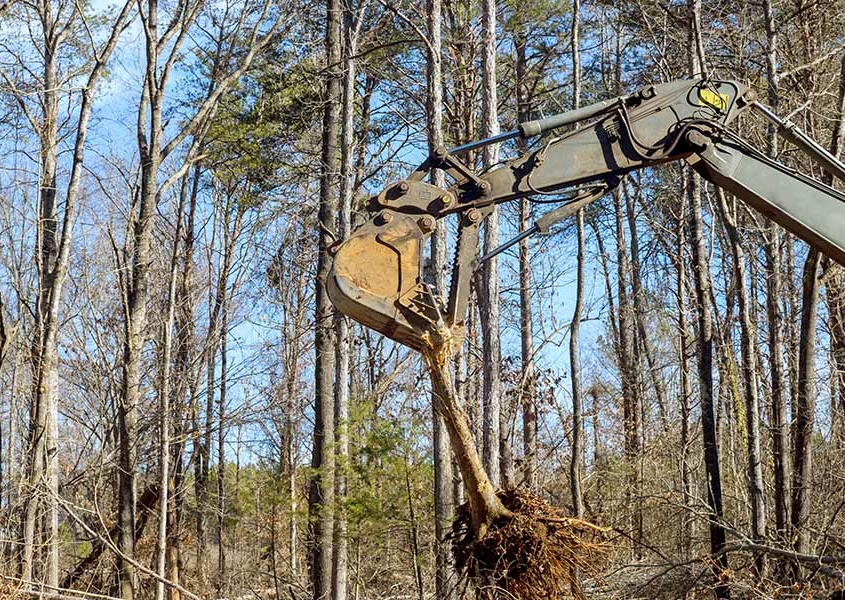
{"type": "Point", "coordinates": [812, 63]}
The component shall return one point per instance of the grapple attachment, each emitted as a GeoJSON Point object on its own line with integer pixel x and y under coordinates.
{"type": "Point", "coordinates": [376, 278]}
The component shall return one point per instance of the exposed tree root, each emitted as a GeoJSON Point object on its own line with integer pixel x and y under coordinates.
{"type": "Point", "coordinates": [535, 552]}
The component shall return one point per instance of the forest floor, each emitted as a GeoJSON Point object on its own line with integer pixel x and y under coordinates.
{"type": "Point", "coordinates": [693, 581]}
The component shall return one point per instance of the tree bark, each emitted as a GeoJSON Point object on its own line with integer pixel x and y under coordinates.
{"type": "Point", "coordinates": [577, 459]}
{"type": "Point", "coordinates": [321, 491]}
{"type": "Point", "coordinates": [774, 285]}
{"type": "Point", "coordinates": [701, 274]}
{"type": "Point", "coordinates": [188, 380]}
{"type": "Point", "coordinates": [444, 571]}
{"type": "Point", "coordinates": [527, 387]}
{"type": "Point", "coordinates": [685, 388]}
{"type": "Point", "coordinates": [293, 294]}
{"type": "Point", "coordinates": [835, 298]}
{"type": "Point", "coordinates": [43, 468]}
{"type": "Point", "coordinates": [489, 288]}
{"type": "Point", "coordinates": [231, 232]}
{"type": "Point", "coordinates": [340, 561]}
{"type": "Point", "coordinates": [629, 367]}
{"type": "Point", "coordinates": [706, 388]}
{"type": "Point", "coordinates": [484, 504]}
{"type": "Point", "coordinates": [164, 398]}
{"type": "Point", "coordinates": [835, 293]}
{"type": "Point", "coordinates": [149, 145]}
{"type": "Point", "coordinates": [748, 333]}
{"type": "Point", "coordinates": [805, 405]}
{"type": "Point", "coordinates": [642, 343]}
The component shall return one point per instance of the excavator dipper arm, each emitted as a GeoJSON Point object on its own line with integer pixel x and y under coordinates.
{"type": "Point", "coordinates": [808, 208]}
{"type": "Point", "coordinates": [377, 274]}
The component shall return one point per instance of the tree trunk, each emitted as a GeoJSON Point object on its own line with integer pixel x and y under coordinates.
{"type": "Point", "coordinates": [642, 344]}
{"type": "Point", "coordinates": [202, 460]}
{"type": "Point", "coordinates": [527, 389]}
{"type": "Point", "coordinates": [44, 412]}
{"type": "Point", "coordinates": [489, 288]}
{"type": "Point", "coordinates": [443, 496]}
{"type": "Point", "coordinates": [149, 146]}
{"type": "Point", "coordinates": [231, 233]}
{"type": "Point", "coordinates": [340, 560]}
{"type": "Point", "coordinates": [484, 504]}
{"type": "Point", "coordinates": [321, 492]}
{"type": "Point", "coordinates": [706, 388]}
{"type": "Point", "coordinates": [188, 381]}
{"type": "Point", "coordinates": [779, 427]}
{"type": "Point", "coordinates": [701, 273]}
{"type": "Point", "coordinates": [629, 367]}
{"type": "Point", "coordinates": [221, 452]}
{"type": "Point", "coordinates": [685, 391]}
{"type": "Point", "coordinates": [748, 333]}
{"type": "Point", "coordinates": [835, 292]}
{"type": "Point", "coordinates": [577, 459]}
{"type": "Point", "coordinates": [805, 405]}
{"type": "Point", "coordinates": [416, 553]}
{"type": "Point", "coordinates": [835, 297]}
{"type": "Point", "coordinates": [164, 399]}
{"type": "Point", "coordinates": [295, 325]}
{"type": "Point", "coordinates": [216, 391]}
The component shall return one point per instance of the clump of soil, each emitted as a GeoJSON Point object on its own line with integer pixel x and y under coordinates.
{"type": "Point", "coordinates": [535, 552]}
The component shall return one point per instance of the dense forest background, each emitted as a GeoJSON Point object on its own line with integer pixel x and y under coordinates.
{"type": "Point", "coordinates": [182, 414]}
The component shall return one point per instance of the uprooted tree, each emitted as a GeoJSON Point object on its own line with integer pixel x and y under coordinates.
{"type": "Point", "coordinates": [507, 540]}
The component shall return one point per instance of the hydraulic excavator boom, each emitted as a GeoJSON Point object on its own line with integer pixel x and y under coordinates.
{"type": "Point", "coordinates": [377, 273]}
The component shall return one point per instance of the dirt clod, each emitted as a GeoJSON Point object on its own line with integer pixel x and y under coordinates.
{"type": "Point", "coordinates": [537, 552]}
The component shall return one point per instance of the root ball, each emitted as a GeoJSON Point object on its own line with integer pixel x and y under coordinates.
{"type": "Point", "coordinates": [535, 553]}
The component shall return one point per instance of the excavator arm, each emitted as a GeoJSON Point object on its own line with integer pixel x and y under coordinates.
{"type": "Point", "coordinates": [377, 274]}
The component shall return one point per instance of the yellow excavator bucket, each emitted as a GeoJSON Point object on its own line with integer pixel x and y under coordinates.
{"type": "Point", "coordinates": [376, 277]}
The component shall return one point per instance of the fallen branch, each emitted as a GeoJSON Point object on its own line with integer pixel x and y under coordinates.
{"type": "Point", "coordinates": [28, 589]}
{"type": "Point", "coordinates": [112, 547]}
{"type": "Point", "coordinates": [145, 505]}
{"type": "Point", "coordinates": [815, 559]}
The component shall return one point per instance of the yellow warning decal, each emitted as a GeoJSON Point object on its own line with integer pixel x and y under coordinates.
{"type": "Point", "coordinates": [711, 98]}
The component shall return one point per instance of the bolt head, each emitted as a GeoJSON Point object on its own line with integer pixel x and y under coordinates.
{"type": "Point", "coordinates": [426, 224]}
